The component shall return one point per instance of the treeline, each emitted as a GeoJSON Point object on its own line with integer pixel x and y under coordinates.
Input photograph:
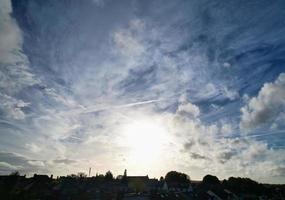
{"type": "Point", "coordinates": [241, 187]}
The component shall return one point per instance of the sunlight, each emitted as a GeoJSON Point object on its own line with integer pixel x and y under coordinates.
{"type": "Point", "coordinates": [145, 139]}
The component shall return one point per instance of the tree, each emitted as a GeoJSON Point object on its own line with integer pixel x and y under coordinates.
{"type": "Point", "coordinates": [211, 180]}
{"type": "Point", "coordinates": [72, 176]}
{"type": "Point", "coordinates": [173, 176]}
{"type": "Point", "coordinates": [109, 176]}
{"type": "Point", "coordinates": [81, 175]}
{"type": "Point", "coordinates": [15, 173]}
{"type": "Point", "coordinates": [119, 177]}
{"type": "Point", "coordinates": [100, 177]}
{"type": "Point", "coordinates": [243, 185]}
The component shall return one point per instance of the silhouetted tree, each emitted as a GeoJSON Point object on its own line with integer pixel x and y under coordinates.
{"type": "Point", "coordinates": [243, 185]}
{"type": "Point", "coordinates": [100, 177]}
{"type": "Point", "coordinates": [72, 175]}
{"type": "Point", "coordinates": [81, 175]}
{"type": "Point", "coordinates": [15, 173]}
{"type": "Point", "coordinates": [174, 176]}
{"type": "Point", "coordinates": [109, 176]}
{"type": "Point", "coordinates": [211, 180]}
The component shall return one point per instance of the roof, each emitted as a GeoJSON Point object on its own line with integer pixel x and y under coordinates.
{"type": "Point", "coordinates": [213, 195]}
{"type": "Point", "coordinates": [135, 178]}
{"type": "Point", "coordinates": [177, 185]}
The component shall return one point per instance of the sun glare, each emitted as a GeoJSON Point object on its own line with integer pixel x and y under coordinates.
{"type": "Point", "coordinates": [145, 139]}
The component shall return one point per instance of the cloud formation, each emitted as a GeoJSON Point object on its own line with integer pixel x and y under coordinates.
{"type": "Point", "coordinates": [266, 106]}
{"type": "Point", "coordinates": [14, 72]}
{"type": "Point", "coordinates": [10, 35]}
{"type": "Point", "coordinates": [212, 153]}
{"type": "Point", "coordinates": [70, 82]}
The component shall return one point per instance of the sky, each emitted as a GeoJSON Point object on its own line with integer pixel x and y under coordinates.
{"type": "Point", "coordinates": [196, 86]}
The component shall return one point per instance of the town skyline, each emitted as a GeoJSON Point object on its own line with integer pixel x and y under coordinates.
{"type": "Point", "coordinates": [175, 185]}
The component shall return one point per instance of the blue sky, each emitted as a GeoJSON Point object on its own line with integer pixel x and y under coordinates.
{"type": "Point", "coordinates": [81, 82]}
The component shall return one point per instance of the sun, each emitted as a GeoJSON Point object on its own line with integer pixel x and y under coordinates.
{"type": "Point", "coordinates": [145, 140]}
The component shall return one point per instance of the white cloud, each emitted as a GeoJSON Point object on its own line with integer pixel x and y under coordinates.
{"type": "Point", "coordinates": [189, 108]}
{"type": "Point", "coordinates": [12, 161]}
{"type": "Point", "coordinates": [230, 94]}
{"type": "Point", "coordinates": [186, 107]}
{"type": "Point", "coordinates": [4, 166]}
{"type": "Point", "coordinates": [58, 126]}
{"type": "Point", "coordinates": [33, 148]}
{"type": "Point", "coordinates": [14, 71]}
{"type": "Point", "coordinates": [10, 35]}
{"type": "Point", "coordinates": [209, 91]}
{"type": "Point", "coordinates": [206, 148]}
{"type": "Point", "coordinates": [226, 129]}
{"type": "Point", "coordinates": [127, 40]}
{"type": "Point", "coordinates": [266, 107]}
{"type": "Point", "coordinates": [227, 65]}
{"type": "Point", "coordinates": [65, 100]}
{"type": "Point", "coordinates": [16, 76]}
{"type": "Point", "coordinates": [12, 107]}
{"type": "Point", "coordinates": [212, 90]}
{"type": "Point", "coordinates": [36, 163]}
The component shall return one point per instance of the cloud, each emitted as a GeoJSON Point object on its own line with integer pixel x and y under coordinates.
{"type": "Point", "coordinates": [214, 90]}
{"type": "Point", "coordinates": [15, 162]}
{"type": "Point", "coordinates": [10, 35]}
{"type": "Point", "coordinates": [14, 71]}
{"type": "Point", "coordinates": [187, 107]}
{"type": "Point", "coordinates": [280, 171]}
{"type": "Point", "coordinates": [127, 42]}
{"type": "Point", "coordinates": [64, 161]}
{"type": "Point", "coordinates": [197, 156]}
{"type": "Point", "coordinates": [226, 128]}
{"type": "Point", "coordinates": [33, 147]}
{"type": "Point", "coordinates": [206, 146]}
{"type": "Point", "coordinates": [4, 166]}
{"type": "Point", "coordinates": [12, 107]}
{"type": "Point", "coordinates": [230, 94]}
{"type": "Point", "coordinates": [36, 163]}
{"type": "Point", "coordinates": [12, 161]}
{"type": "Point", "coordinates": [16, 76]}
{"type": "Point", "coordinates": [264, 108]}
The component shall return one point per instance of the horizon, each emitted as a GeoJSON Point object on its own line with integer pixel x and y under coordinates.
{"type": "Point", "coordinates": [150, 86]}
{"type": "Point", "coordinates": [115, 176]}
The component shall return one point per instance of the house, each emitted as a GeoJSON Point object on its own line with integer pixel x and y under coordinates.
{"type": "Point", "coordinates": [230, 195]}
{"type": "Point", "coordinates": [153, 184]}
{"type": "Point", "coordinates": [177, 187]}
{"type": "Point", "coordinates": [138, 183]}
{"type": "Point", "coordinates": [213, 196]}
{"type": "Point", "coordinates": [164, 186]}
